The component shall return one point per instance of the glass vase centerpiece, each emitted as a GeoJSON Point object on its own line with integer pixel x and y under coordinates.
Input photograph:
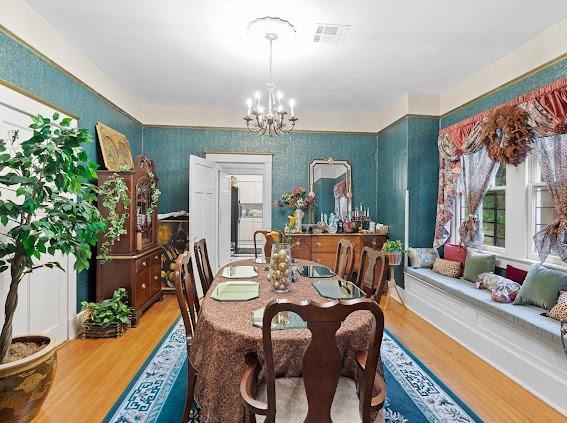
{"type": "Point", "coordinates": [280, 267]}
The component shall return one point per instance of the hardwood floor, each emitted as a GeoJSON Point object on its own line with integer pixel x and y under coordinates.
{"type": "Point", "coordinates": [93, 373]}
{"type": "Point", "coordinates": [491, 394]}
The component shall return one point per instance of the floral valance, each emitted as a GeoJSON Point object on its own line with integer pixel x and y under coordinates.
{"type": "Point", "coordinates": [546, 108]}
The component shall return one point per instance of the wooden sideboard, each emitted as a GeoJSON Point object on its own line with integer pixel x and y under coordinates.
{"type": "Point", "coordinates": [322, 248]}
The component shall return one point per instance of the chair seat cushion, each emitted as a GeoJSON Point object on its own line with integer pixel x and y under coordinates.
{"type": "Point", "coordinates": [291, 402]}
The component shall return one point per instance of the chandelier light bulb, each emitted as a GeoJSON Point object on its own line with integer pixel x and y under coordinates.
{"type": "Point", "coordinates": [291, 106]}
{"type": "Point", "coordinates": [249, 104]}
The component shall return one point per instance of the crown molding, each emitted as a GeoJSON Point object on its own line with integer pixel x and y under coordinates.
{"type": "Point", "coordinates": [195, 117]}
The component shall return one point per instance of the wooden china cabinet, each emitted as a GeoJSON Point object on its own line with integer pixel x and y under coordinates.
{"type": "Point", "coordinates": [135, 259]}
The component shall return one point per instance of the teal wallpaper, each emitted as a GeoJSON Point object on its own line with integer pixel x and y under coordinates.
{"type": "Point", "coordinates": [532, 82]}
{"type": "Point", "coordinates": [23, 68]}
{"type": "Point", "coordinates": [408, 160]}
{"type": "Point", "coordinates": [170, 149]}
{"type": "Point", "coordinates": [423, 179]}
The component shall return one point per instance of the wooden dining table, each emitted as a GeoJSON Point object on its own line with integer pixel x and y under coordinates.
{"type": "Point", "coordinates": [225, 334]}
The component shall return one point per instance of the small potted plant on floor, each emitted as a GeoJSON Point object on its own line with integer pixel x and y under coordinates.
{"type": "Point", "coordinates": [108, 318]}
{"type": "Point", "coordinates": [46, 207]}
{"type": "Point", "coordinates": [394, 250]}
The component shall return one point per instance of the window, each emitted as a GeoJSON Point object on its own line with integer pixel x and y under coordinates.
{"type": "Point", "coordinates": [543, 209]}
{"type": "Point", "coordinates": [494, 211]}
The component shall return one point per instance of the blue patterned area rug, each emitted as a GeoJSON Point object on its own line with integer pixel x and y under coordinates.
{"type": "Point", "coordinates": [157, 392]}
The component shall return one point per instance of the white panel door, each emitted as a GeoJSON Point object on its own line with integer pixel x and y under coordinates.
{"type": "Point", "coordinates": [203, 208]}
{"type": "Point", "coordinates": [43, 296]}
{"type": "Point", "coordinates": [224, 219]}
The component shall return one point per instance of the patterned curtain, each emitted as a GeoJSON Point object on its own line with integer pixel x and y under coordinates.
{"type": "Point", "coordinates": [478, 171]}
{"type": "Point", "coordinates": [552, 157]}
{"type": "Point", "coordinates": [547, 111]}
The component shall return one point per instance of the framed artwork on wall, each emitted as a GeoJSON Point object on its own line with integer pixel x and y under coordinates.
{"type": "Point", "coordinates": [115, 148]}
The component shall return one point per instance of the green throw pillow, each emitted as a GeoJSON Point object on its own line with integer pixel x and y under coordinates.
{"type": "Point", "coordinates": [477, 263]}
{"type": "Point", "coordinates": [541, 287]}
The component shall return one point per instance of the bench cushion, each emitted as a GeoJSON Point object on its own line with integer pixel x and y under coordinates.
{"type": "Point", "coordinates": [525, 316]}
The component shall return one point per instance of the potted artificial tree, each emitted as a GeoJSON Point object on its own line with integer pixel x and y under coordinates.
{"type": "Point", "coordinates": [51, 210]}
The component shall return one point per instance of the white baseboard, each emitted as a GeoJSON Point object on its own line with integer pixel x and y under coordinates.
{"type": "Point", "coordinates": [74, 326]}
{"type": "Point", "coordinates": [534, 363]}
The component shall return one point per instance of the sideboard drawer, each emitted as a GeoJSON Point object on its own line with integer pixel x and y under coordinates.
{"type": "Point", "coordinates": [155, 277]}
{"type": "Point", "coordinates": [142, 288]}
{"type": "Point", "coordinates": [323, 244]}
{"type": "Point", "coordinates": [143, 263]}
{"type": "Point", "coordinates": [301, 247]}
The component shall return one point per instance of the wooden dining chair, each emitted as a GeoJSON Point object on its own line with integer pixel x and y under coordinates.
{"type": "Point", "coordinates": [203, 265]}
{"type": "Point", "coordinates": [344, 261]}
{"type": "Point", "coordinates": [269, 242]}
{"type": "Point", "coordinates": [310, 398]}
{"type": "Point", "coordinates": [186, 293]}
{"type": "Point", "coordinates": [371, 274]}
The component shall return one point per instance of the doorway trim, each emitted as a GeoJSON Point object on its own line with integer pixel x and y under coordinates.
{"type": "Point", "coordinates": [244, 159]}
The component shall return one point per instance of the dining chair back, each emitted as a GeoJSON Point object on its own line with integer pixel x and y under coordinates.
{"type": "Point", "coordinates": [344, 261]}
{"type": "Point", "coordinates": [203, 265]}
{"type": "Point", "coordinates": [186, 293]}
{"type": "Point", "coordinates": [371, 275]}
{"type": "Point", "coordinates": [268, 243]}
{"type": "Point", "coordinates": [322, 363]}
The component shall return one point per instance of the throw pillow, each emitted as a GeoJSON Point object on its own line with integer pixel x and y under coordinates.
{"type": "Point", "coordinates": [506, 291]}
{"type": "Point", "coordinates": [559, 310]}
{"type": "Point", "coordinates": [541, 287]}
{"type": "Point", "coordinates": [447, 267]}
{"type": "Point", "coordinates": [515, 274]}
{"type": "Point", "coordinates": [488, 280]}
{"type": "Point", "coordinates": [453, 252]}
{"type": "Point", "coordinates": [477, 263]}
{"type": "Point", "coordinates": [422, 257]}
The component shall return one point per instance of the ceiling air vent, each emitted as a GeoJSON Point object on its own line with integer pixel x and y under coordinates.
{"type": "Point", "coordinates": [330, 33]}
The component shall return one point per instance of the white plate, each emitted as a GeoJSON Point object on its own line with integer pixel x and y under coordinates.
{"type": "Point", "coordinates": [239, 272]}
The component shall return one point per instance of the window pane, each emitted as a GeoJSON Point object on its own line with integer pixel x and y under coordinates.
{"type": "Point", "coordinates": [500, 178]}
{"type": "Point", "coordinates": [544, 211]}
{"type": "Point", "coordinates": [494, 217]}
{"type": "Point", "coordinates": [500, 200]}
{"type": "Point", "coordinates": [488, 200]}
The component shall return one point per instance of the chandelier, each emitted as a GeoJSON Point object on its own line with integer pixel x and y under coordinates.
{"type": "Point", "coordinates": [271, 119]}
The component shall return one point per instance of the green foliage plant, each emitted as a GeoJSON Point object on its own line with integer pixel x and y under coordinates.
{"type": "Point", "coordinates": [109, 311]}
{"type": "Point", "coordinates": [393, 247]}
{"type": "Point", "coordinates": [114, 192]}
{"type": "Point", "coordinates": [52, 206]}
{"type": "Point", "coordinates": [154, 193]}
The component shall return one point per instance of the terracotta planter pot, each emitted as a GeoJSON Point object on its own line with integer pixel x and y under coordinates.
{"type": "Point", "coordinates": [25, 383]}
{"type": "Point", "coordinates": [394, 258]}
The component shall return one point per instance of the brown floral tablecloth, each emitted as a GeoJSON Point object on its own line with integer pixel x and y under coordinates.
{"type": "Point", "coordinates": [224, 335]}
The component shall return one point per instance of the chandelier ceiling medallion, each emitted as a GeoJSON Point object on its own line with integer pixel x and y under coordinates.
{"type": "Point", "coordinates": [271, 119]}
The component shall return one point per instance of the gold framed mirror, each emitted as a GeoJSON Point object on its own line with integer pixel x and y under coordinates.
{"type": "Point", "coordinates": [331, 181]}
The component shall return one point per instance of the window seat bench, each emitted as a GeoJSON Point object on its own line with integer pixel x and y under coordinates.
{"type": "Point", "coordinates": [525, 316]}
{"type": "Point", "coordinates": [517, 340]}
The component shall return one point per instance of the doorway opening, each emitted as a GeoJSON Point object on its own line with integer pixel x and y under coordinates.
{"type": "Point", "coordinates": [246, 213]}
{"type": "Point", "coordinates": [244, 202]}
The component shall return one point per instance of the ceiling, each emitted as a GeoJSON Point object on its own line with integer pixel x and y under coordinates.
{"type": "Point", "coordinates": [198, 54]}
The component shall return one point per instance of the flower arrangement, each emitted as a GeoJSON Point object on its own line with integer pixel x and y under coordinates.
{"type": "Point", "coordinates": [297, 198]}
